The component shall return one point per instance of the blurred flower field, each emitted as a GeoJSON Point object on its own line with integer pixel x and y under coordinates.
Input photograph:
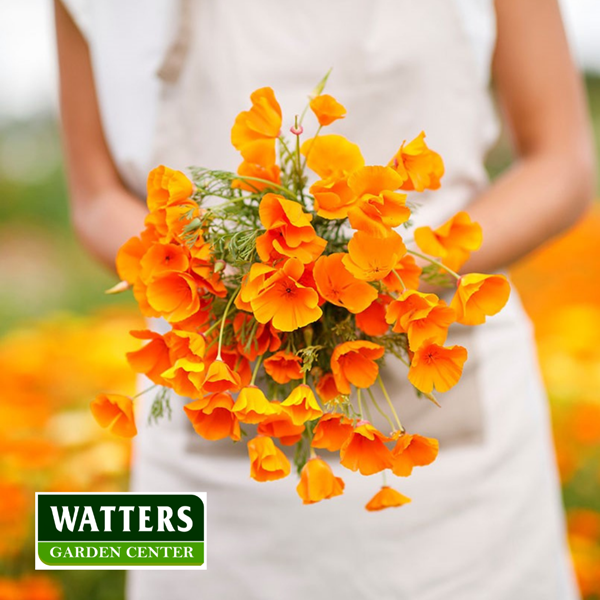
{"type": "Point", "coordinates": [62, 341]}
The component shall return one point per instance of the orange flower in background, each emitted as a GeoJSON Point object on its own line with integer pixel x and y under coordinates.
{"type": "Point", "coordinates": [254, 338]}
{"type": "Point", "coordinates": [115, 413]}
{"type": "Point", "coordinates": [405, 274]}
{"type": "Point", "coordinates": [354, 363]}
{"type": "Point", "coordinates": [386, 497]}
{"type": "Point", "coordinates": [479, 296]}
{"type": "Point", "coordinates": [372, 320]}
{"type": "Point", "coordinates": [221, 378]}
{"type": "Point", "coordinates": [412, 450]}
{"type": "Point", "coordinates": [370, 258]}
{"type": "Point", "coordinates": [283, 366]}
{"type": "Point", "coordinates": [317, 482]}
{"type": "Point", "coordinates": [452, 242]}
{"type": "Point", "coordinates": [255, 131]}
{"type": "Point", "coordinates": [212, 417]}
{"type": "Point", "coordinates": [378, 207]}
{"type": "Point", "coordinates": [284, 301]}
{"type": "Point", "coordinates": [332, 430]}
{"type": "Point", "coordinates": [161, 258]}
{"type": "Point", "coordinates": [333, 158]}
{"type": "Point", "coordinates": [365, 450]}
{"type": "Point", "coordinates": [421, 316]}
{"type": "Point", "coordinates": [267, 461]}
{"type": "Point", "coordinates": [436, 366]}
{"type": "Point", "coordinates": [337, 285]}
{"type": "Point", "coordinates": [166, 186]}
{"type": "Point", "coordinates": [327, 389]}
{"type": "Point", "coordinates": [419, 167]}
{"type": "Point", "coordinates": [252, 405]}
{"type": "Point", "coordinates": [289, 232]}
{"type": "Point", "coordinates": [174, 296]}
{"type": "Point", "coordinates": [302, 405]}
{"type": "Point", "coordinates": [280, 425]}
{"type": "Point", "coordinates": [327, 109]}
{"type": "Point", "coordinates": [271, 174]}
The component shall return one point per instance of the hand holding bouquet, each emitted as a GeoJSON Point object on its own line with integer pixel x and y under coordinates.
{"type": "Point", "coordinates": [304, 290]}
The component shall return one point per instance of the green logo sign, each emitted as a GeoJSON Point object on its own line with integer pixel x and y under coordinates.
{"type": "Point", "coordinates": [120, 531]}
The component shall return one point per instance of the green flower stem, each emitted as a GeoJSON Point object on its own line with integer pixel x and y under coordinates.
{"type": "Point", "coordinates": [378, 409]}
{"type": "Point", "coordinates": [389, 401]}
{"type": "Point", "coordinates": [399, 279]}
{"type": "Point", "coordinates": [434, 262]}
{"type": "Point", "coordinates": [358, 396]}
{"type": "Point", "coordinates": [144, 391]}
{"type": "Point", "coordinates": [231, 301]}
{"type": "Point", "coordinates": [256, 367]}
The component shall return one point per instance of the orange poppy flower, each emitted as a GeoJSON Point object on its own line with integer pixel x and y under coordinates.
{"type": "Point", "coordinates": [327, 389]}
{"type": "Point", "coordinates": [302, 405]}
{"type": "Point", "coordinates": [252, 405]}
{"type": "Point", "coordinates": [436, 366]}
{"type": "Point", "coordinates": [378, 208]}
{"type": "Point", "coordinates": [327, 109]}
{"type": "Point", "coordinates": [167, 224]}
{"type": "Point", "coordinates": [332, 430]}
{"type": "Point", "coordinates": [280, 426]}
{"type": "Point", "coordinates": [412, 450]}
{"type": "Point", "coordinates": [479, 296]}
{"type": "Point", "coordinates": [115, 413]}
{"type": "Point", "coordinates": [333, 158]}
{"type": "Point", "coordinates": [166, 186]}
{"type": "Point", "coordinates": [421, 316]}
{"type": "Point", "coordinates": [354, 363]}
{"type": "Point", "coordinates": [365, 451]}
{"type": "Point", "coordinates": [212, 417]}
{"type": "Point", "coordinates": [452, 242]}
{"type": "Point", "coordinates": [252, 283]}
{"type": "Point", "coordinates": [254, 338]}
{"type": "Point", "coordinates": [232, 358]}
{"type": "Point", "coordinates": [186, 355]}
{"type": "Point", "coordinates": [386, 497]}
{"type": "Point", "coordinates": [161, 258]}
{"type": "Point", "coordinates": [419, 167]}
{"type": "Point", "coordinates": [406, 274]}
{"type": "Point", "coordinates": [129, 258]}
{"type": "Point", "coordinates": [255, 131]}
{"type": "Point", "coordinates": [370, 258]}
{"type": "Point", "coordinates": [338, 286]}
{"type": "Point", "coordinates": [173, 295]}
{"type": "Point", "coordinates": [317, 482]}
{"type": "Point", "coordinates": [283, 366]}
{"type": "Point", "coordinates": [152, 359]}
{"type": "Point", "coordinates": [270, 174]}
{"type": "Point", "coordinates": [267, 461]}
{"type": "Point", "coordinates": [220, 378]}
{"type": "Point", "coordinates": [372, 319]}
{"type": "Point", "coordinates": [289, 232]}
{"type": "Point", "coordinates": [284, 301]}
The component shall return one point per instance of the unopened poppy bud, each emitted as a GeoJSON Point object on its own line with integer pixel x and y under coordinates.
{"type": "Point", "coordinates": [122, 286]}
{"type": "Point", "coordinates": [219, 266]}
{"type": "Point", "coordinates": [297, 130]}
{"type": "Point", "coordinates": [192, 225]}
{"type": "Point", "coordinates": [308, 333]}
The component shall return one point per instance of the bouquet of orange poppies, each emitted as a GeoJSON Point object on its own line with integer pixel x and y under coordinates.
{"type": "Point", "coordinates": [283, 299]}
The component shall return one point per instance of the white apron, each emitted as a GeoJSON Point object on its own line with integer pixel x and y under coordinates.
{"type": "Point", "coordinates": [485, 521]}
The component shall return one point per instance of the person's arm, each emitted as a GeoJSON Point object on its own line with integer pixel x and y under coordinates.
{"type": "Point", "coordinates": [542, 98]}
{"type": "Point", "coordinates": [104, 213]}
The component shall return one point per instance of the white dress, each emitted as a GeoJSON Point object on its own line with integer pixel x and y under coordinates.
{"type": "Point", "coordinates": [486, 520]}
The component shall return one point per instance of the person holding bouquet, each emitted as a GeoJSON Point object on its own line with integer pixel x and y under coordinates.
{"type": "Point", "coordinates": [152, 83]}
